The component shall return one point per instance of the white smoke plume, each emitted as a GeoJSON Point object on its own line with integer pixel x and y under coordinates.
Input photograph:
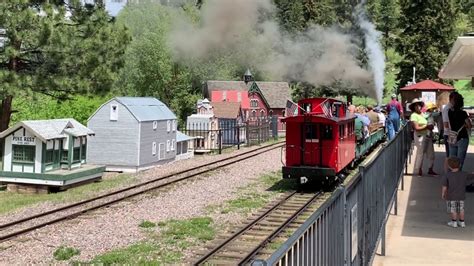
{"type": "Point", "coordinates": [374, 50]}
{"type": "Point", "coordinates": [318, 56]}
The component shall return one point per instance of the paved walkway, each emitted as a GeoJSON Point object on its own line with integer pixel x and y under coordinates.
{"type": "Point", "coordinates": [418, 235]}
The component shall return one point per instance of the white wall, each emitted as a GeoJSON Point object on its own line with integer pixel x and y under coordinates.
{"type": "Point", "coordinates": [7, 156]}
{"type": "Point", "coordinates": [7, 159]}
{"type": "Point", "coordinates": [38, 155]}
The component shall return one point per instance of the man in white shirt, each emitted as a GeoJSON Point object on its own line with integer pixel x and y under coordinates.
{"type": "Point", "coordinates": [381, 116]}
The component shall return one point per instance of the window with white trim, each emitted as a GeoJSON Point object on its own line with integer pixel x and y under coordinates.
{"type": "Point", "coordinates": [153, 148]}
{"type": "Point", "coordinates": [168, 125]}
{"type": "Point", "coordinates": [174, 125]}
{"type": "Point", "coordinates": [167, 145]}
{"type": "Point", "coordinates": [254, 103]}
{"type": "Point", "coordinates": [173, 144]}
{"type": "Point", "coordinates": [155, 125]}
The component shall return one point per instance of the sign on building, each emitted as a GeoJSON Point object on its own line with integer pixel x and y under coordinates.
{"type": "Point", "coordinates": [23, 140]}
{"type": "Point", "coordinates": [428, 96]}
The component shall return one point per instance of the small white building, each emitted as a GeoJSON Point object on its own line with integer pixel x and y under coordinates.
{"type": "Point", "coordinates": [47, 152]}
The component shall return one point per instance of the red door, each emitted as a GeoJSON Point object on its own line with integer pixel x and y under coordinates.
{"type": "Point", "coordinates": [310, 144]}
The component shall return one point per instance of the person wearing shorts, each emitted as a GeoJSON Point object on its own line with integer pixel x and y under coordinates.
{"type": "Point", "coordinates": [454, 191]}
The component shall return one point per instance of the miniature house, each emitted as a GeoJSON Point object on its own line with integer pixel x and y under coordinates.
{"type": "Point", "coordinates": [203, 127]}
{"type": "Point", "coordinates": [47, 152]}
{"type": "Point", "coordinates": [132, 134]}
{"type": "Point", "coordinates": [184, 146]}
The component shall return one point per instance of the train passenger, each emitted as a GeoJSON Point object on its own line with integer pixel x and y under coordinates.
{"type": "Point", "coordinates": [351, 109]}
{"type": "Point", "coordinates": [372, 115]}
{"type": "Point", "coordinates": [421, 128]}
{"type": "Point", "coordinates": [361, 115]}
{"type": "Point", "coordinates": [395, 112]}
{"type": "Point", "coordinates": [460, 124]}
{"type": "Point", "coordinates": [381, 116]}
{"type": "Point", "coordinates": [454, 191]}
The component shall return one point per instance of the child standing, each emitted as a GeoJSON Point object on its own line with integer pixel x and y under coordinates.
{"type": "Point", "coordinates": [454, 191]}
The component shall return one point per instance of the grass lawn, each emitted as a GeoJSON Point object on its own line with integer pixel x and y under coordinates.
{"type": "Point", "coordinates": [164, 246]}
{"type": "Point", "coordinates": [10, 201]}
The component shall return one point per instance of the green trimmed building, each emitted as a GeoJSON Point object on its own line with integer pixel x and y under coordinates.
{"type": "Point", "coordinates": [47, 152]}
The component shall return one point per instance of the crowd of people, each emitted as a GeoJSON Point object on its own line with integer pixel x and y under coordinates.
{"type": "Point", "coordinates": [371, 117]}
{"type": "Point", "coordinates": [455, 127]}
{"type": "Point", "coordinates": [451, 123]}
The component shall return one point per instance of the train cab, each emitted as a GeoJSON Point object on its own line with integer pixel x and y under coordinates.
{"type": "Point", "coordinates": [320, 140]}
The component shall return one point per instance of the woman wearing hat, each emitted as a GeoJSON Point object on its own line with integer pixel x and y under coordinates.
{"type": "Point", "coordinates": [421, 129]}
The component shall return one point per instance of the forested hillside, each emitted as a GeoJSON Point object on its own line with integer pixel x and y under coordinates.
{"type": "Point", "coordinates": [58, 65]}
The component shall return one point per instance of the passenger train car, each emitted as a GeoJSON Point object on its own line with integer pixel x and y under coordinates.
{"type": "Point", "coordinates": [322, 141]}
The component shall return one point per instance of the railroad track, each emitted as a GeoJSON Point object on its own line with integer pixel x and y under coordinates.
{"type": "Point", "coordinates": [28, 224]}
{"type": "Point", "coordinates": [273, 224]}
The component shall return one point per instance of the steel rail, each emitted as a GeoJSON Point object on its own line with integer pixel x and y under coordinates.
{"type": "Point", "coordinates": [242, 230]}
{"type": "Point", "coordinates": [3, 238]}
{"type": "Point", "coordinates": [124, 189]}
{"type": "Point", "coordinates": [277, 231]}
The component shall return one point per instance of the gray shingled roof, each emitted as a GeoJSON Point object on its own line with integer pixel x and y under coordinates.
{"type": "Point", "coordinates": [275, 93]}
{"type": "Point", "coordinates": [51, 129]}
{"type": "Point", "coordinates": [146, 108]}
{"type": "Point", "coordinates": [182, 137]}
{"type": "Point", "coordinates": [229, 110]}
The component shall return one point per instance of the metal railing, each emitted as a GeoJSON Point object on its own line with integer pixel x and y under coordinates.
{"type": "Point", "coordinates": [346, 229]}
{"type": "Point", "coordinates": [216, 136]}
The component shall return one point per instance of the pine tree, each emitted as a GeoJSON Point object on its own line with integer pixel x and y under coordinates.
{"type": "Point", "coordinates": [320, 12]}
{"type": "Point", "coordinates": [291, 15]}
{"type": "Point", "coordinates": [57, 49]}
{"type": "Point", "coordinates": [426, 37]}
{"type": "Point", "coordinates": [388, 20]}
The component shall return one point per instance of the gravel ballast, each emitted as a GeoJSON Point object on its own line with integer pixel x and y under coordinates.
{"type": "Point", "coordinates": [139, 177]}
{"type": "Point", "coordinates": [117, 226]}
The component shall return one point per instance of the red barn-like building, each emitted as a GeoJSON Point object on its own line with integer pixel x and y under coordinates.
{"type": "Point", "coordinates": [258, 99]}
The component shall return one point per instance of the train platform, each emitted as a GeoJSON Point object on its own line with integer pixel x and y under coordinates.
{"type": "Point", "coordinates": [419, 234]}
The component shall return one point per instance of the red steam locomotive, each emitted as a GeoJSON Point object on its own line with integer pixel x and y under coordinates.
{"type": "Point", "coordinates": [321, 141]}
